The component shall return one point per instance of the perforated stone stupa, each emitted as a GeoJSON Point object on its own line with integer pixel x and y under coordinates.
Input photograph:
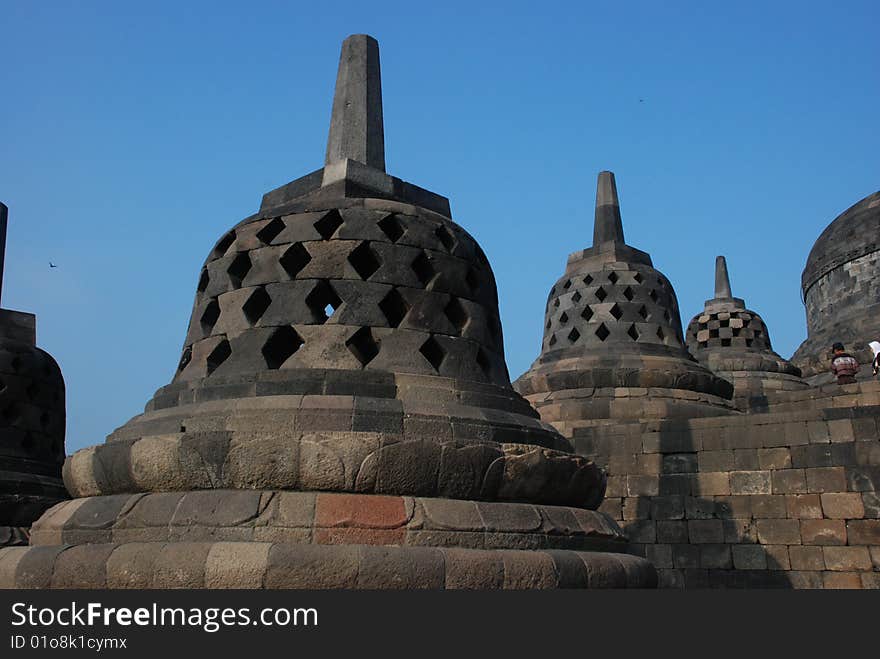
{"type": "Point", "coordinates": [341, 414]}
{"type": "Point", "coordinates": [613, 346]}
{"type": "Point", "coordinates": [32, 421]}
{"type": "Point", "coordinates": [733, 342]}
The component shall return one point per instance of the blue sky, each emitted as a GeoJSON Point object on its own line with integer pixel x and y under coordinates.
{"type": "Point", "coordinates": [132, 135]}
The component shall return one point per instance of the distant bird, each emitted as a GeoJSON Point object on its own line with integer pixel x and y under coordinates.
{"type": "Point", "coordinates": [641, 100]}
{"type": "Point", "coordinates": [52, 265]}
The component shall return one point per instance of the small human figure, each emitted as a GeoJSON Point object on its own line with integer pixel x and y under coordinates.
{"type": "Point", "coordinates": [875, 348]}
{"type": "Point", "coordinates": [843, 365]}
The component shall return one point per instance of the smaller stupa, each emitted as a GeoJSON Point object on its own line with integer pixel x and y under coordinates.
{"type": "Point", "coordinates": [613, 348]}
{"type": "Point", "coordinates": [733, 342]}
{"type": "Point", "coordinates": [31, 421]}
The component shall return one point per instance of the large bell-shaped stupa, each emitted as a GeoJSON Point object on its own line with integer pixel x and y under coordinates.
{"type": "Point", "coordinates": [341, 414]}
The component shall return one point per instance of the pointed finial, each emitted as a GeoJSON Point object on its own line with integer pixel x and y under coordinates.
{"type": "Point", "coordinates": [722, 280]}
{"type": "Point", "coordinates": [356, 128]}
{"type": "Point", "coordinates": [608, 226]}
{"type": "Point", "coordinates": [4, 216]}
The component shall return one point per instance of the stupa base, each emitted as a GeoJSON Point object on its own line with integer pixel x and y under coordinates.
{"type": "Point", "coordinates": [283, 539]}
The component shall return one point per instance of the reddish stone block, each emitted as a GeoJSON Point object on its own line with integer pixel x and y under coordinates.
{"type": "Point", "coordinates": [846, 559]}
{"type": "Point", "coordinates": [826, 479]}
{"type": "Point", "coordinates": [806, 558]}
{"type": "Point", "coordinates": [842, 580]}
{"type": "Point", "coordinates": [823, 532]}
{"type": "Point", "coordinates": [788, 481]}
{"type": "Point", "coordinates": [360, 511]}
{"type": "Point", "coordinates": [779, 532]}
{"type": "Point", "coordinates": [843, 505]}
{"type": "Point", "coordinates": [355, 536]}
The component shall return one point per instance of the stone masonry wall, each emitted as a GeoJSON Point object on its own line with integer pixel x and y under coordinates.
{"type": "Point", "coordinates": [783, 499]}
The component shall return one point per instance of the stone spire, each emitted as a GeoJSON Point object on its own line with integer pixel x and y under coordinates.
{"type": "Point", "coordinates": [722, 280]}
{"type": "Point", "coordinates": [356, 127]}
{"type": "Point", "coordinates": [608, 226]}
{"type": "Point", "coordinates": [4, 216]}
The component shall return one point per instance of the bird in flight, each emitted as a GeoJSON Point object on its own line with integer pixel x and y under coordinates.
{"type": "Point", "coordinates": [52, 265]}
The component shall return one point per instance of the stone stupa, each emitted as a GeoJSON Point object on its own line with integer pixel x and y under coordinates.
{"type": "Point", "coordinates": [733, 342]}
{"type": "Point", "coordinates": [613, 348]}
{"type": "Point", "coordinates": [341, 415]}
{"type": "Point", "coordinates": [32, 421]}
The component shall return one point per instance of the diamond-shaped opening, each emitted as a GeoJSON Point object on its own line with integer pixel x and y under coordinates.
{"type": "Point", "coordinates": [256, 305]}
{"type": "Point", "coordinates": [392, 227]}
{"type": "Point", "coordinates": [394, 307]}
{"type": "Point", "coordinates": [666, 315]}
{"type": "Point", "coordinates": [638, 278]}
{"type": "Point", "coordinates": [736, 331]}
{"type": "Point", "coordinates": [363, 346]}
{"type": "Point", "coordinates": [713, 333]}
{"type": "Point", "coordinates": [563, 318]}
{"type": "Point", "coordinates": [633, 332]}
{"type": "Point", "coordinates": [424, 269]}
{"type": "Point", "coordinates": [456, 314]}
{"type": "Point", "coordinates": [749, 343]}
{"type": "Point", "coordinates": [223, 245]}
{"type": "Point", "coordinates": [588, 280]}
{"type": "Point", "coordinates": [185, 358]}
{"type": "Point", "coordinates": [364, 260]}
{"type": "Point", "coordinates": [616, 311]}
{"type": "Point", "coordinates": [328, 224]}
{"type": "Point", "coordinates": [662, 336]}
{"type": "Point", "coordinates": [628, 293]}
{"type": "Point", "coordinates": [280, 345]}
{"type": "Point", "coordinates": [587, 313]}
{"type": "Point", "coordinates": [269, 232]}
{"type": "Point", "coordinates": [552, 341]}
{"type": "Point", "coordinates": [218, 355]}
{"type": "Point", "coordinates": [549, 323]}
{"type": "Point", "coordinates": [574, 335]}
{"type": "Point", "coordinates": [613, 277]}
{"type": "Point", "coordinates": [472, 279]}
{"type": "Point", "coordinates": [602, 332]}
{"type": "Point", "coordinates": [643, 312]}
{"type": "Point", "coordinates": [556, 303]}
{"type": "Point", "coordinates": [758, 333]}
{"type": "Point", "coordinates": [725, 323]}
{"type": "Point", "coordinates": [239, 268]}
{"type": "Point", "coordinates": [725, 342]}
{"type": "Point", "coordinates": [204, 279]}
{"type": "Point", "coordinates": [294, 259]}
{"type": "Point", "coordinates": [653, 295]}
{"type": "Point", "coordinates": [483, 361]}
{"type": "Point", "coordinates": [210, 316]}
{"type": "Point", "coordinates": [446, 238]}
{"type": "Point", "coordinates": [567, 284]}
{"type": "Point", "coordinates": [433, 352]}
{"type": "Point", "coordinates": [601, 294]}
{"type": "Point", "coordinates": [576, 297]}
{"type": "Point", "coordinates": [323, 301]}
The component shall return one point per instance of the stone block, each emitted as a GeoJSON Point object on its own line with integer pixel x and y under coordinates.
{"type": "Point", "coordinates": [716, 461]}
{"type": "Point", "coordinates": [768, 506]}
{"type": "Point", "coordinates": [401, 568]}
{"type": "Point", "coordinates": [667, 507]}
{"type": "Point", "coordinates": [842, 505]}
{"type": "Point", "coordinates": [473, 569]}
{"type": "Point", "coordinates": [237, 564]}
{"type": "Point", "coordinates": [132, 565]}
{"type": "Point", "coordinates": [841, 430]}
{"type": "Point", "coordinates": [801, 580]}
{"type": "Point", "coordinates": [779, 531]}
{"type": "Point", "coordinates": [806, 558]}
{"type": "Point", "coordinates": [733, 506]}
{"type": "Point", "coordinates": [685, 556]}
{"type": "Point", "coordinates": [711, 484]}
{"type": "Point", "coordinates": [871, 504]}
{"type": "Point", "coordinates": [749, 557]}
{"type": "Point", "coordinates": [846, 559]}
{"type": "Point", "coordinates": [745, 459]}
{"type": "Point", "coordinates": [642, 485]}
{"type": "Point", "coordinates": [715, 557]}
{"type": "Point", "coordinates": [82, 566]}
{"type": "Point", "coordinates": [672, 531]}
{"type": "Point", "coordinates": [826, 479]}
{"type": "Point", "coordinates": [739, 530]}
{"type": "Point", "coordinates": [863, 532]}
{"type": "Point", "coordinates": [699, 508]}
{"type": "Point", "coordinates": [660, 556]}
{"type": "Point", "coordinates": [703, 531]}
{"type": "Point", "coordinates": [788, 481]}
{"type": "Point", "coordinates": [750, 482]}
{"type": "Point", "coordinates": [642, 530]}
{"type": "Point", "coordinates": [638, 507]}
{"type": "Point", "coordinates": [803, 506]}
{"type": "Point", "coordinates": [823, 532]}
{"type": "Point", "coordinates": [774, 458]}
{"type": "Point", "coordinates": [841, 581]}
{"type": "Point", "coordinates": [312, 567]}
{"type": "Point", "coordinates": [778, 557]}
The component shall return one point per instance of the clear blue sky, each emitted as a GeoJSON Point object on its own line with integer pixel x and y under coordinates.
{"type": "Point", "coordinates": [132, 135]}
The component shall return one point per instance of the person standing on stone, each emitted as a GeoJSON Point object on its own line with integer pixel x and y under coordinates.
{"type": "Point", "coordinates": [875, 348]}
{"type": "Point", "coordinates": [843, 365]}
